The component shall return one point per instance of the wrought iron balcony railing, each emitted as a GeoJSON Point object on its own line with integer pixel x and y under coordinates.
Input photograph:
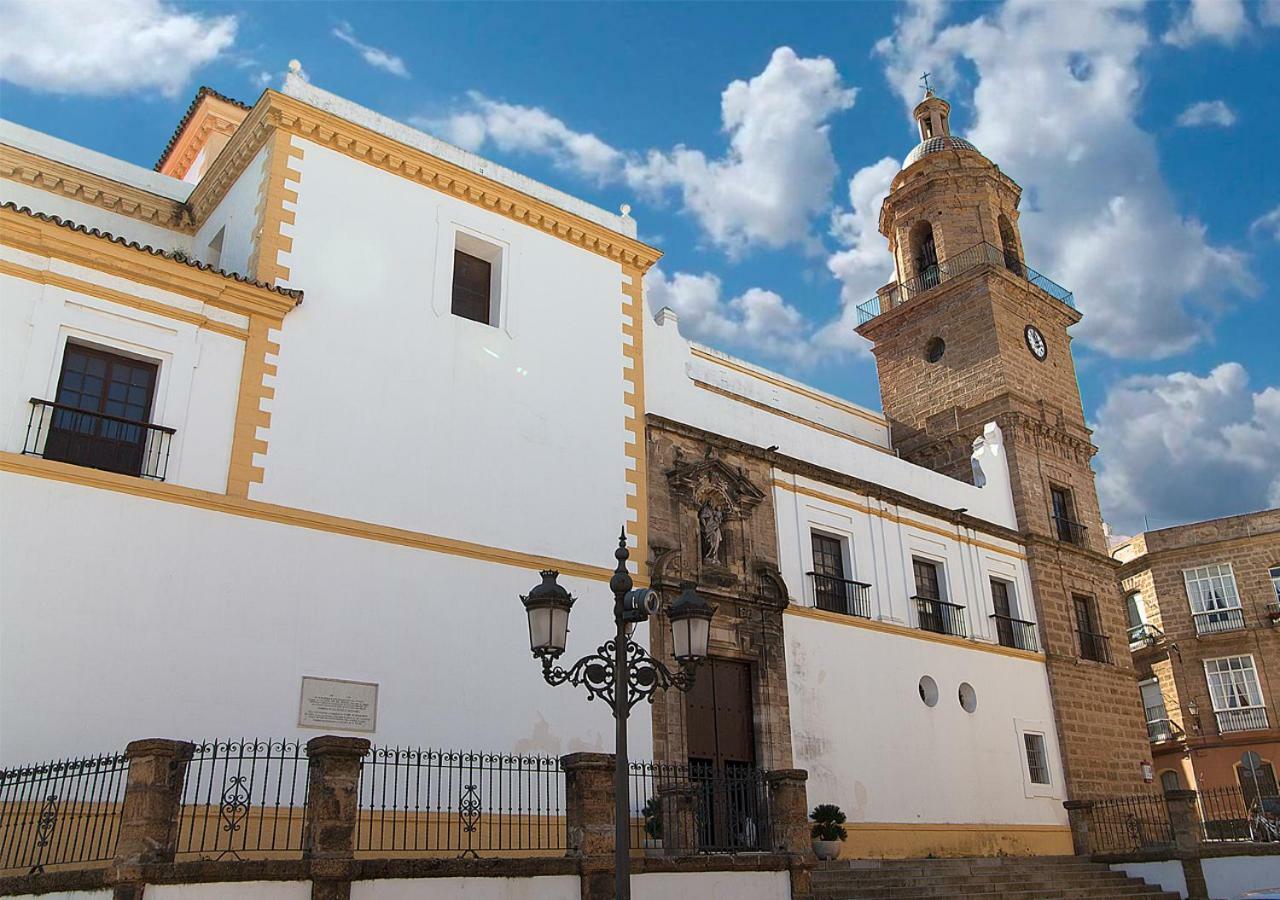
{"type": "Point", "coordinates": [1144, 635]}
{"type": "Point", "coordinates": [940, 617]}
{"type": "Point", "coordinates": [851, 598]}
{"type": "Point", "coordinates": [1215, 621]}
{"type": "Point", "coordinates": [1159, 726]}
{"type": "Point", "coordinates": [966, 260]}
{"type": "Point", "coordinates": [1017, 633]}
{"type": "Point", "coordinates": [1251, 718]}
{"type": "Point", "coordinates": [66, 434]}
{"type": "Point", "coordinates": [1094, 646]}
{"type": "Point", "coordinates": [1069, 531]}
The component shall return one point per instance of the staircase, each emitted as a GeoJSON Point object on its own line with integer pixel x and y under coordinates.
{"type": "Point", "coordinates": [988, 878]}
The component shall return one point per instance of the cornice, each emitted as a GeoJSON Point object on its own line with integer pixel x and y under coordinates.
{"type": "Point", "coordinates": [50, 236]}
{"type": "Point", "coordinates": [275, 110]}
{"type": "Point", "coordinates": [175, 139]}
{"type": "Point", "coordinates": [95, 190]}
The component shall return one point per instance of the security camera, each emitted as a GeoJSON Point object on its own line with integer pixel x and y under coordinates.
{"type": "Point", "coordinates": [639, 604]}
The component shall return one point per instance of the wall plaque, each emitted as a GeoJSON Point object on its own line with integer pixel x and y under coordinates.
{"type": "Point", "coordinates": [338, 705]}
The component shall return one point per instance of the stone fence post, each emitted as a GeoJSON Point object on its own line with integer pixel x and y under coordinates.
{"type": "Point", "coordinates": [152, 801]}
{"type": "Point", "coordinates": [589, 819]}
{"type": "Point", "coordinates": [1079, 814]}
{"type": "Point", "coordinates": [333, 778]}
{"type": "Point", "coordinates": [789, 811]}
{"type": "Point", "coordinates": [677, 805]}
{"type": "Point", "coordinates": [1184, 820]}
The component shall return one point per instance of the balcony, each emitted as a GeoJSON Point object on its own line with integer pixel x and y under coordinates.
{"type": "Point", "coordinates": [1144, 635]}
{"type": "Point", "coordinates": [1252, 718]}
{"type": "Point", "coordinates": [1160, 727]}
{"type": "Point", "coordinates": [1016, 633]}
{"type": "Point", "coordinates": [940, 617]}
{"type": "Point", "coordinates": [1094, 646]}
{"type": "Point", "coordinates": [1216, 621]}
{"type": "Point", "coordinates": [97, 441]}
{"type": "Point", "coordinates": [838, 595]}
{"type": "Point", "coordinates": [1069, 531]}
{"type": "Point", "coordinates": [965, 261]}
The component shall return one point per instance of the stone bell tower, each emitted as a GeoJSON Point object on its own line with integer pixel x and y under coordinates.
{"type": "Point", "coordinates": [968, 334]}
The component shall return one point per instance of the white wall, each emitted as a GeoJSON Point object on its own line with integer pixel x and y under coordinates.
{"type": "Point", "coordinates": [712, 885]}
{"type": "Point", "coordinates": [1230, 877]}
{"type": "Point", "coordinates": [250, 890]}
{"type": "Point", "coordinates": [131, 617]}
{"type": "Point", "coordinates": [390, 409]}
{"type": "Point", "coordinates": [545, 887]}
{"type": "Point", "coordinates": [874, 748]}
{"type": "Point", "coordinates": [1167, 874]}
{"type": "Point", "coordinates": [237, 213]}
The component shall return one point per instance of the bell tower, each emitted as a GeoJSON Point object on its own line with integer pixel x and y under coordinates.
{"type": "Point", "coordinates": [967, 334]}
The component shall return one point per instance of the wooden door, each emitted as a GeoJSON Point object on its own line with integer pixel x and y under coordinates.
{"type": "Point", "coordinates": [721, 739]}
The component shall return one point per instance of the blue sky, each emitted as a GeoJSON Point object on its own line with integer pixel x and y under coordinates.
{"type": "Point", "coordinates": [754, 143]}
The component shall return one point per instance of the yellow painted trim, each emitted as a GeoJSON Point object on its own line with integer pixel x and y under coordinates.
{"type": "Point", "coordinates": [95, 190]}
{"type": "Point", "coordinates": [954, 826]}
{"type": "Point", "coordinates": [894, 840]}
{"type": "Point", "coordinates": [36, 467]}
{"type": "Point", "coordinates": [794, 388]}
{"type": "Point", "coordinates": [276, 111]}
{"type": "Point", "coordinates": [66, 282]}
{"type": "Point", "coordinates": [893, 517]}
{"type": "Point", "coordinates": [635, 444]}
{"type": "Point", "coordinates": [213, 115]}
{"type": "Point", "coordinates": [808, 423]}
{"type": "Point", "coordinates": [43, 238]}
{"type": "Point", "coordinates": [250, 416]}
{"type": "Point", "coordinates": [822, 615]}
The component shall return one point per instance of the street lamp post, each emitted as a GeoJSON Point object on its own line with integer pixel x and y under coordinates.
{"type": "Point", "coordinates": [620, 672]}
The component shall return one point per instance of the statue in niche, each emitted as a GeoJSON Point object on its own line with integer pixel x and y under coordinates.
{"type": "Point", "coordinates": [710, 518]}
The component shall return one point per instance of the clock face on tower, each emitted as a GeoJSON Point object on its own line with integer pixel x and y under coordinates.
{"type": "Point", "coordinates": [1036, 343]}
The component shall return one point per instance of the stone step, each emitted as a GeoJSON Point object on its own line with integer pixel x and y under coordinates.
{"type": "Point", "coordinates": [1093, 881]}
{"type": "Point", "coordinates": [987, 892]}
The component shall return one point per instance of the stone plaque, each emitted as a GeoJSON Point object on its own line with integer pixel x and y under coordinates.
{"type": "Point", "coordinates": [338, 705]}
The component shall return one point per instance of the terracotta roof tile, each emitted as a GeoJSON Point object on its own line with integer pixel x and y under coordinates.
{"type": "Point", "coordinates": [176, 256]}
{"type": "Point", "coordinates": [205, 91]}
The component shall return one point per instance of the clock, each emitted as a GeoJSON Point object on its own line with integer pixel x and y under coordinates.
{"type": "Point", "coordinates": [1036, 342]}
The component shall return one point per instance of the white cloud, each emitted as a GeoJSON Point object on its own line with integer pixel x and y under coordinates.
{"type": "Point", "coordinates": [374, 56]}
{"type": "Point", "coordinates": [756, 319]}
{"type": "Point", "coordinates": [1207, 112]}
{"type": "Point", "coordinates": [1217, 20]}
{"type": "Point", "coordinates": [90, 47]}
{"type": "Point", "coordinates": [1268, 224]}
{"type": "Point", "coordinates": [1182, 447]}
{"type": "Point", "coordinates": [261, 80]}
{"type": "Point", "coordinates": [778, 170]}
{"type": "Point", "coordinates": [1269, 12]}
{"type": "Point", "coordinates": [1055, 105]}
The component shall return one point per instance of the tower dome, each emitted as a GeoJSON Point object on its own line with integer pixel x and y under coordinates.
{"type": "Point", "coordinates": [933, 116]}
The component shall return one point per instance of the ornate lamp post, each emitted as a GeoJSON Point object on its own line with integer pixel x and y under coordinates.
{"type": "Point", "coordinates": [620, 672]}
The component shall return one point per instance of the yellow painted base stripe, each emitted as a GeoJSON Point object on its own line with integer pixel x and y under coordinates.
{"type": "Point", "coordinates": [36, 467]}
{"type": "Point", "coordinates": [916, 840]}
{"type": "Point", "coordinates": [807, 612]}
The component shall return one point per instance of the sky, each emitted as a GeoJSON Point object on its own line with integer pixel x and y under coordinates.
{"type": "Point", "coordinates": [755, 143]}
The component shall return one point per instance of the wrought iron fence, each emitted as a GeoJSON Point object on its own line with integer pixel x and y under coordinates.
{"type": "Point", "coordinates": [1126, 824]}
{"type": "Point", "coordinates": [243, 799]}
{"type": "Point", "coordinates": [67, 434]}
{"type": "Point", "coordinates": [1218, 620]}
{"type": "Point", "coordinates": [940, 617]}
{"type": "Point", "coordinates": [852, 598]}
{"type": "Point", "coordinates": [1017, 633]}
{"type": "Point", "coordinates": [681, 810]}
{"type": "Point", "coordinates": [460, 803]}
{"type": "Point", "coordinates": [61, 812]}
{"type": "Point", "coordinates": [953, 267]}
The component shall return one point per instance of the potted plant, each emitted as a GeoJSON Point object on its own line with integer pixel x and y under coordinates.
{"type": "Point", "coordinates": [828, 830]}
{"type": "Point", "coordinates": [652, 812]}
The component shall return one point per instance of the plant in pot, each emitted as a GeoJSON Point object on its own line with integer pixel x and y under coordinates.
{"type": "Point", "coordinates": [828, 830]}
{"type": "Point", "coordinates": [652, 812]}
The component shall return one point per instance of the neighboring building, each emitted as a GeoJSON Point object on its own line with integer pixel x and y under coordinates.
{"type": "Point", "coordinates": [1204, 628]}
{"type": "Point", "coordinates": [212, 490]}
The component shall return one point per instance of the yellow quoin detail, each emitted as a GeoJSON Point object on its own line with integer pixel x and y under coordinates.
{"type": "Point", "coordinates": [633, 404]}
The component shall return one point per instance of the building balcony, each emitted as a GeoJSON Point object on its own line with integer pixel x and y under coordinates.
{"type": "Point", "coordinates": [1219, 620]}
{"type": "Point", "coordinates": [96, 440]}
{"type": "Point", "coordinates": [838, 595]}
{"type": "Point", "coordinates": [1252, 718]}
{"type": "Point", "coordinates": [1144, 636]}
{"type": "Point", "coordinates": [945, 270]}
{"type": "Point", "coordinates": [1069, 531]}
{"type": "Point", "coordinates": [940, 617]}
{"type": "Point", "coordinates": [1016, 633]}
{"type": "Point", "coordinates": [1160, 727]}
{"type": "Point", "coordinates": [1095, 647]}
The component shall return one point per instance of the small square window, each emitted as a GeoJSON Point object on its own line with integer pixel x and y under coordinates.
{"type": "Point", "coordinates": [213, 255]}
{"type": "Point", "coordinates": [477, 279]}
{"type": "Point", "coordinates": [1037, 757]}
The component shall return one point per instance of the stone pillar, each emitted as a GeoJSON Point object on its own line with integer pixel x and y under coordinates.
{"type": "Point", "coordinates": [1184, 820]}
{"type": "Point", "coordinates": [589, 796]}
{"type": "Point", "coordinates": [677, 804]}
{"type": "Point", "coordinates": [1079, 812]}
{"type": "Point", "coordinates": [789, 811]}
{"type": "Point", "coordinates": [329, 823]}
{"type": "Point", "coordinates": [152, 801]}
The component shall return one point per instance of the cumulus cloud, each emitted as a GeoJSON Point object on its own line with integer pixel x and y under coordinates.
{"type": "Point", "coordinates": [1055, 105]}
{"type": "Point", "coordinates": [1184, 447]}
{"type": "Point", "coordinates": [89, 47]}
{"type": "Point", "coordinates": [1207, 112]}
{"type": "Point", "coordinates": [1267, 224]}
{"type": "Point", "coordinates": [374, 56]}
{"type": "Point", "coordinates": [756, 319]}
{"type": "Point", "coordinates": [1217, 20]}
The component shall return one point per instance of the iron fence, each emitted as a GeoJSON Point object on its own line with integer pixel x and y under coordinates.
{"type": "Point", "coordinates": [1126, 824]}
{"type": "Point", "coordinates": [61, 812]}
{"type": "Point", "coordinates": [460, 803]}
{"type": "Point", "coordinates": [66, 434]}
{"type": "Point", "coordinates": [681, 810]}
{"type": "Point", "coordinates": [940, 617]}
{"type": "Point", "coordinates": [852, 598]}
{"type": "Point", "coordinates": [1017, 633]}
{"type": "Point", "coordinates": [243, 799]}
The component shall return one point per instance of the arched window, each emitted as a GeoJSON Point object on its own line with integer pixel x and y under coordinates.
{"type": "Point", "coordinates": [1009, 243]}
{"type": "Point", "coordinates": [1169, 780]}
{"type": "Point", "coordinates": [924, 253]}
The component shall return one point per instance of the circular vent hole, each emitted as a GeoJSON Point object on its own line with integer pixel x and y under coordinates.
{"type": "Point", "coordinates": [929, 691]}
{"type": "Point", "coordinates": [934, 349]}
{"type": "Point", "coordinates": [968, 697]}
